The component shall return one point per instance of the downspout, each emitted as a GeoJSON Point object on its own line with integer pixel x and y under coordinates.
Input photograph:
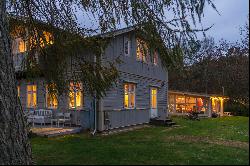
{"type": "Point", "coordinates": [93, 133]}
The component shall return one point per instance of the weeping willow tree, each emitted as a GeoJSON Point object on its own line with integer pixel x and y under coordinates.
{"type": "Point", "coordinates": [168, 24]}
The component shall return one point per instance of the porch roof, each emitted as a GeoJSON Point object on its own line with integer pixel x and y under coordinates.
{"type": "Point", "coordinates": [196, 94]}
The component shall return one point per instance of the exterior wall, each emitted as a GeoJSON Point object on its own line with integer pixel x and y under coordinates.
{"type": "Point", "coordinates": [144, 75]}
{"type": "Point", "coordinates": [63, 103]}
{"type": "Point", "coordinates": [110, 108]}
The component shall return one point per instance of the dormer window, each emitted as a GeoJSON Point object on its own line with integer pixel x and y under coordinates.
{"type": "Point", "coordinates": [126, 47]}
{"type": "Point", "coordinates": [142, 51]}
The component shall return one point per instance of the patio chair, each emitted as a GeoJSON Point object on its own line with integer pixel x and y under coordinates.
{"type": "Point", "coordinates": [67, 117]}
{"type": "Point", "coordinates": [42, 116]}
{"type": "Point", "coordinates": [59, 118]}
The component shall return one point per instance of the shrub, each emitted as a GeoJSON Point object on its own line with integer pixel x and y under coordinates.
{"type": "Point", "coordinates": [237, 109]}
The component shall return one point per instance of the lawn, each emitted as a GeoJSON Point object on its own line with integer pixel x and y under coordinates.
{"type": "Point", "coordinates": [209, 141]}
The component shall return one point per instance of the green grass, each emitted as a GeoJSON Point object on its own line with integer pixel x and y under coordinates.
{"type": "Point", "coordinates": [153, 145]}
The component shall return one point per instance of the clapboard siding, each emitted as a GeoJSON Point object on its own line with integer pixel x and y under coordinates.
{"type": "Point", "coordinates": [144, 75]}
{"type": "Point", "coordinates": [63, 101]}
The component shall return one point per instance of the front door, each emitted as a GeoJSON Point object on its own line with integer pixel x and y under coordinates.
{"type": "Point", "coordinates": [153, 103]}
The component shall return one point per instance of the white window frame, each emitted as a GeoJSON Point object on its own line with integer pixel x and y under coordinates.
{"type": "Point", "coordinates": [129, 95]}
{"type": "Point", "coordinates": [82, 98]}
{"type": "Point", "coordinates": [31, 92]}
{"type": "Point", "coordinates": [155, 56]}
{"type": "Point", "coordinates": [46, 100]}
{"type": "Point", "coordinates": [151, 97]}
{"type": "Point", "coordinates": [144, 53]}
{"type": "Point", "coordinates": [128, 42]}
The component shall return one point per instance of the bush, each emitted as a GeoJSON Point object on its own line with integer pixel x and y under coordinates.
{"type": "Point", "coordinates": [237, 109]}
{"type": "Point", "coordinates": [214, 115]}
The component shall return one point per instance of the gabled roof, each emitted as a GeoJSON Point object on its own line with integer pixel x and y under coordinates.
{"type": "Point", "coordinates": [118, 32]}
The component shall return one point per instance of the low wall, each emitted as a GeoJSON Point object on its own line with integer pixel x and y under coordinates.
{"type": "Point", "coordinates": [121, 118]}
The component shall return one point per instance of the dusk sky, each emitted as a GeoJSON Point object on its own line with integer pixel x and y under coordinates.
{"type": "Point", "coordinates": [233, 15]}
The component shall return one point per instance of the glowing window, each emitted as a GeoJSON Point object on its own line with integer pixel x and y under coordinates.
{"type": "Point", "coordinates": [31, 96]}
{"type": "Point", "coordinates": [75, 95]}
{"type": "Point", "coordinates": [21, 46]}
{"type": "Point", "coordinates": [154, 98]}
{"type": "Point", "coordinates": [51, 97]}
{"type": "Point", "coordinates": [142, 51]}
{"type": "Point", "coordinates": [18, 91]}
{"type": "Point", "coordinates": [129, 95]}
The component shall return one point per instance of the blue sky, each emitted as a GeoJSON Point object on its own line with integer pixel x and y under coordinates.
{"type": "Point", "coordinates": [233, 15]}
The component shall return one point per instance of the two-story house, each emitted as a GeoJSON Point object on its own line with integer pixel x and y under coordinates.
{"type": "Point", "coordinates": [140, 92]}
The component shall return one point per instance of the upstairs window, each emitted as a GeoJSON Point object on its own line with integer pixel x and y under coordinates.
{"type": "Point", "coordinates": [51, 97]}
{"type": "Point", "coordinates": [31, 96]}
{"type": "Point", "coordinates": [155, 57]}
{"type": "Point", "coordinates": [127, 47]}
{"type": "Point", "coordinates": [75, 95]}
{"type": "Point", "coordinates": [22, 47]}
{"type": "Point", "coordinates": [142, 51]}
{"type": "Point", "coordinates": [18, 90]}
{"type": "Point", "coordinates": [129, 95]}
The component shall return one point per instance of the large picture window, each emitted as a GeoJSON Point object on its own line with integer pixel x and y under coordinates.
{"type": "Point", "coordinates": [75, 95]}
{"type": "Point", "coordinates": [129, 95]}
{"type": "Point", "coordinates": [31, 96]}
{"type": "Point", "coordinates": [51, 97]}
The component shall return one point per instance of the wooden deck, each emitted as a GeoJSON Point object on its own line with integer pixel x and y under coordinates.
{"type": "Point", "coordinates": [48, 131]}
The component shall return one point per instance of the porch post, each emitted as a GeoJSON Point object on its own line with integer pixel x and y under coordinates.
{"type": "Point", "coordinates": [209, 107]}
{"type": "Point", "coordinates": [221, 108]}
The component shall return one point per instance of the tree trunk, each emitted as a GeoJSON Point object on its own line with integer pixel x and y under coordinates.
{"type": "Point", "coordinates": [14, 143]}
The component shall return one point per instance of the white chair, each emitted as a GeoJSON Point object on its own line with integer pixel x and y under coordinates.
{"type": "Point", "coordinates": [42, 116]}
{"type": "Point", "coordinates": [67, 117]}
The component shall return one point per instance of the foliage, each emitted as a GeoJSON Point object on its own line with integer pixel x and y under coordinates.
{"type": "Point", "coordinates": [216, 69]}
{"type": "Point", "coordinates": [236, 108]}
{"type": "Point", "coordinates": [59, 17]}
{"type": "Point", "coordinates": [150, 145]}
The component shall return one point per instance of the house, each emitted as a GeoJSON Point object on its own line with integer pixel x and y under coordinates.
{"type": "Point", "coordinates": [140, 92]}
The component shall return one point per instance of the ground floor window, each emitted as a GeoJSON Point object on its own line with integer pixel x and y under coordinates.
{"type": "Point", "coordinates": [75, 95]}
{"type": "Point", "coordinates": [129, 95]}
{"type": "Point", "coordinates": [51, 96]}
{"type": "Point", "coordinates": [31, 96]}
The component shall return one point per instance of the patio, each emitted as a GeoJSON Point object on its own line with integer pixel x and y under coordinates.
{"type": "Point", "coordinates": [48, 131]}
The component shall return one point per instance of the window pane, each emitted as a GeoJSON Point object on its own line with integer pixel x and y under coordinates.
{"type": "Point", "coordinates": [31, 96]}
{"type": "Point", "coordinates": [51, 97]}
{"type": "Point", "coordinates": [154, 98]}
{"type": "Point", "coordinates": [78, 99]}
{"type": "Point", "coordinates": [126, 100]}
{"type": "Point", "coordinates": [132, 100]}
{"type": "Point", "coordinates": [18, 91]}
{"type": "Point", "coordinates": [75, 95]}
{"type": "Point", "coordinates": [21, 46]}
{"type": "Point", "coordinates": [34, 100]}
{"type": "Point", "coordinates": [129, 95]}
{"type": "Point", "coordinates": [71, 100]}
